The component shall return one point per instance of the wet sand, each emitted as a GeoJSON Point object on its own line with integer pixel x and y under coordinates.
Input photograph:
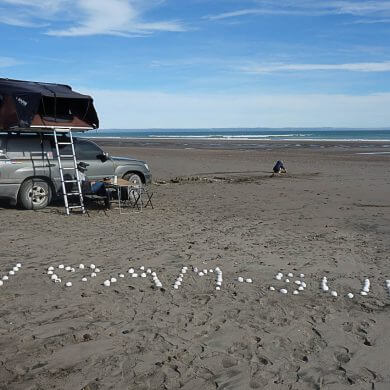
{"type": "Point", "coordinates": [214, 206]}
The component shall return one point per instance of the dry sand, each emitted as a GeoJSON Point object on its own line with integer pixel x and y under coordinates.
{"type": "Point", "coordinates": [329, 216]}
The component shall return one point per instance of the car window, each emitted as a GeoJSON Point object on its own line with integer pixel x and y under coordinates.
{"type": "Point", "coordinates": [2, 147]}
{"type": "Point", "coordinates": [86, 150]}
{"type": "Point", "coordinates": [28, 146]}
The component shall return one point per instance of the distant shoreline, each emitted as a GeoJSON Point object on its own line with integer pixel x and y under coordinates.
{"type": "Point", "coordinates": [232, 139]}
{"type": "Point", "coordinates": [239, 144]}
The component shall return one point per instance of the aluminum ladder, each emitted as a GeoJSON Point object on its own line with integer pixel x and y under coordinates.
{"type": "Point", "coordinates": [75, 177]}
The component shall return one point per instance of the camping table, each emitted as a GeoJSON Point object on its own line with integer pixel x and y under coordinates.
{"type": "Point", "coordinates": [135, 190]}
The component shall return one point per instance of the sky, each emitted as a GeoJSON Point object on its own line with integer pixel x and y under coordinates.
{"type": "Point", "coordinates": [208, 63]}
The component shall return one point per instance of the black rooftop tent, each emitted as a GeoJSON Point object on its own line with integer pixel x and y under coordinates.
{"type": "Point", "coordinates": [28, 105]}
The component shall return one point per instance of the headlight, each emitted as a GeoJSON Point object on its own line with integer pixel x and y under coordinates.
{"type": "Point", "coordinates": [147, 166]}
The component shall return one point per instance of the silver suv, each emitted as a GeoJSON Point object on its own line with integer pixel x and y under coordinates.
{"type": "Point", "coordinates": [29, 173]}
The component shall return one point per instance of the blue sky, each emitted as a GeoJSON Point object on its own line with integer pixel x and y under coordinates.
{"type": "Point", "coordinates": [208, 63]}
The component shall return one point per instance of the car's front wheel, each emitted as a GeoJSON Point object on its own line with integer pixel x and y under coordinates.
{"type": "Point", "coordinates": [34, 194]}
{"type": "Point", "coordinates": [133, 178]}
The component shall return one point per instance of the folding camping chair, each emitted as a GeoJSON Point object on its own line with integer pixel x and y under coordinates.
{"type": "Point", "coordinates": [140, 197]}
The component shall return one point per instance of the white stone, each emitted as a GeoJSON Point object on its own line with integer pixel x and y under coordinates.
{"type": "Point", "coordinates": [283, 291]}
{"type": "Point", "coordinates": [300, 288]}
{"type": "Point", "coordinates": [298, 282]}
{"type": "Point", "coordinates": [50, 272]}
{"type": "Point", "coordinates": [366, 289]}
{"type": "Point", "coordinates": [175, 286]}
{"type": "Point", "coordinates": [1, 282]}
{"type": "Point", "coordinates": [325, 288]}
{"type": "Point", "coordinates": [143, 275]}
{"type": "Point", "coordinates": [19, 265]}
{"type": "Point", "coordinates": [211, 270]}
{"type": "Point", "coordinates": [333, 293]}
{"type": "Point", "coordinates": [350, 295]}
{"type": "Point", "coordinates": [61, 266]}
{"type": "Point", "coordinates": [272, 288]}
{"type": "Point", "coordinates": [301, 275]}
{"type": "Point", "coordinates": [363, 293]}
{"type": "Point", "coordinates": [290, 275]}
{"type": "Point", "coordinates": [178, 283]}
{"type": "Point", "coordinates": [196, 270]}
{"type": "Point", "coordinates": [13, 272]}
{"type": "Point", "coordinates": [68, 284]}
{"type": "Point", "coordinates": [54, 277]}
{"type": "Point", "coordinates": [295, 292]}
{"type": "Point", "coordinates": [68, 268]}
{"type": "Point", "coordinates": [97, 270]}
{"type": "Point", "coordinates": [107, 283]}
{"type": "Point", "coordinates": [217, 288]}
{"type": "Point", "coordinates": [93, 275]}
{"type": "Point", "coordinates": [287, 280]}
{"type": "Point", "coordinates": [201, 274]}
{"type": "Point", "coordinates": [134, 275]}
{"type": "Point", "coordinates": [131, 270]}
{"type": "Point", "coordinates": [50, 268]}
{"type": "Point", "coordinates": [81, 266]}
{"type": "Point", "coordinates": [205, 271]}
{"type": "Point", "coordinates": [154, 274]}
{"type": "Point", "coordinates": [84, 279]}
{"type": "Point", "coordinates": [142, 268]}
{"type": "Point", "coordinates": [240, 279]}
{"type": "Point", "coordinates": [113, 280]}
{"type": "Point", "coordinates": [179, 279]}
{"type": "Point", "coordinates": [5, 277]}
{"type": "Point", "coordinates": [248, 280]}
{"type": "Point", "coordinates": [92, 266]}
{"type": "Point", "coordinates": [278, 277]}
{"type": "Point", "coordinates": [303, 284]}
{"type": "Point", "coordinates": [58, 280]}
{"type": "Point", "coordinates": [219, 283]}
{"type": "Point", "coordinates": [121, 275]}
{"type": "Point", "coordinates": [72, 270]}
{"type": "Point", "coordinates": [149, 271]}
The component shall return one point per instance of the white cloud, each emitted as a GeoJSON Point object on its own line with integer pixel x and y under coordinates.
{"type": "Point", "coordinates": [367, 8]}
{"type": "Point", "coordinates": [134, 109]}
{"type": "Point", "coordinates": [85, 17]}
{"type": "Point", "coordinates": [354, 67]}
{"type": "Point", "coordinates": [6, 62]}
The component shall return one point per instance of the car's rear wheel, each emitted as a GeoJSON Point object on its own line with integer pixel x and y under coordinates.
{"type": "Point", "coordinates": [34, 194]}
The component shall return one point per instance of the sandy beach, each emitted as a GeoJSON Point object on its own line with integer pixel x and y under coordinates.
{"type": "Point", "coordinates": [215, 205]}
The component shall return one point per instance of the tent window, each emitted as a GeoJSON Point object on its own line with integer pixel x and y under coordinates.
{"type": "Point", "coordinates": [59, 109]}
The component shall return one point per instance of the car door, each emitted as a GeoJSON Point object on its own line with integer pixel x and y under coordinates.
{"type": "Point", "coordinates": [88, 152]}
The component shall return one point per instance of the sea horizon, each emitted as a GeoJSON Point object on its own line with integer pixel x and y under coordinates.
{"type": "Point", "coordinates": [260, 133]}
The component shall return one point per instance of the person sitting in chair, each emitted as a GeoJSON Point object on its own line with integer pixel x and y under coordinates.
{"type": "Point", "coordinates": [92, 187]}
{"type": "Point", "coordinates": [279, 167]}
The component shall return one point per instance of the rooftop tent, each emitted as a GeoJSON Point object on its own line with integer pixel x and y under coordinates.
{"type": "Point", "coordinates": [31, 105]}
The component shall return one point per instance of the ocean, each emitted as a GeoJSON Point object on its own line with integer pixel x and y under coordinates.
{"type": "Point", "coordinates": [288, 134]}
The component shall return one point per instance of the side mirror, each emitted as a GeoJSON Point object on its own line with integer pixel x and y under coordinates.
{"type": "Point", "coordinates": [103, 157]}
